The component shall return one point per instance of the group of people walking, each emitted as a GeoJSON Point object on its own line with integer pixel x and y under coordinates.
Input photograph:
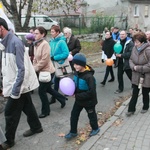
{"type": "Point", "coordinates": [133, 60]}
{"type": "Point", "coordinates": [20, 75]}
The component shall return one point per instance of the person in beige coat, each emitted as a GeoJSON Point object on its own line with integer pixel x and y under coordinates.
{"type": "Point", "coordinates": [140, 65]}
{"type": "Point", "coordinates": [42, 62]}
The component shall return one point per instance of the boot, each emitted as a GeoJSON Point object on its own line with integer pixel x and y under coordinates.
{"type": "Point", "coordinates": [102, 83]}
{"type": "Point", "coordinates": [111, 80]}
{"type": "Point", "coordinates": [52, 100]}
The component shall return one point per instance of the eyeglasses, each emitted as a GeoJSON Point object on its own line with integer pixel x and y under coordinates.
{"type": "Point", "coordinates": [65, 33]}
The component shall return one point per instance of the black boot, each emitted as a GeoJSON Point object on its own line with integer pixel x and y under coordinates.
{"type": "Point", "coordinates": [103, 83]}
{"type": "Point", "coordinates": [111, 80]}
{"type": "Point", "coordinates": [52, 100]}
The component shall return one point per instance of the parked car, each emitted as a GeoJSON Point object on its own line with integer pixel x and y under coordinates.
{"type": "Point", "coordinates": [22, 35]}
{"type": "Point", "coordinates": [40, 20]}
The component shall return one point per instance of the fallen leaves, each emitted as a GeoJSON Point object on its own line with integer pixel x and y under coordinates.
{"type": "Point", "coordinates": [118, 122]}
{"type": "Point", "coordinates": [102, 118]}
{"type": "Point", "coordinates": [61, 134]}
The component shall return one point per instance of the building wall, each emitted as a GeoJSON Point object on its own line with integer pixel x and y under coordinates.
{"type": "Point", "coordinates": [142, 19]}
{"type": "Point", "coordinates": [120, 8]}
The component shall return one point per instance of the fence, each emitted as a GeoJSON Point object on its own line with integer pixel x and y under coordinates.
{"type": "Point", "coordinates": [87, 25]}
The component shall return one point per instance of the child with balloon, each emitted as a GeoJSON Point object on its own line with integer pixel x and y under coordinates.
{"type": "Point", "coordinates": [85, 96]}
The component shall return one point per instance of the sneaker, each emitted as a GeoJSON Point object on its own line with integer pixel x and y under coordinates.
{"type": "Point", "coordinates": [6, 145]}
{"type": "Point", "coordinates": [128, 114]}
{"type": "Point", "coordinates": [94, 132]}
{"type": "Point", "coordinates": [70, 135]}
{"type": "Point", "coordinates": [118, 91]}
{"type": "Point", "coordinates": [143, 111]}
{"type": "Point", "coordinates": [30, 133]}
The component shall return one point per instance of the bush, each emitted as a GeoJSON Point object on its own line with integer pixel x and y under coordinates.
{"type": "Point", "coordinates": [99, 23]}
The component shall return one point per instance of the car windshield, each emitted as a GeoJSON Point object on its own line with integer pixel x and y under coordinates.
{"type": "Point", "coordinates": [47, 19]}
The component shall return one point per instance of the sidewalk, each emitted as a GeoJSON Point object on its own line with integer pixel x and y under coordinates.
{"type": "Point", "coordinates": [123, 133]}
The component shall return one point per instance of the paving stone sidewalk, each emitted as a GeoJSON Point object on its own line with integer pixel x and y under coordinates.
{"type": "Point", "coordinates": [122, 132]}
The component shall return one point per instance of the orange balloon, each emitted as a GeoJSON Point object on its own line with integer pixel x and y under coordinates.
{"type": "Point", "coordinates": [109, 62]}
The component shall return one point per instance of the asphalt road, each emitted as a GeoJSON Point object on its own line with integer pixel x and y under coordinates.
{"type": "Point", "coordinates": [58, 121]}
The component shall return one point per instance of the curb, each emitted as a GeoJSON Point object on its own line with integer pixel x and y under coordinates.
{"type": "Point", "coordinates": [91, 141]}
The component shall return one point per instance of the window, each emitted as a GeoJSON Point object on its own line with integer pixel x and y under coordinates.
{"type": "Point", "coordinates": [136, 10]}
{"type": "Point", "coordinates": [146, 11]}
{"type": "Point", "coordinates": [47, 19]}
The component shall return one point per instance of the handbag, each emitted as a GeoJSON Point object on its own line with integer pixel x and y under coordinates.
{"type": "Point", "coordinates": [62, 70]}
{"type": "Point", "coordinates": [44, 76]}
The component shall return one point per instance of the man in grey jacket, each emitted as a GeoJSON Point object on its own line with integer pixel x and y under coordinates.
{"type": "Point", "coordinates": [19, 79]}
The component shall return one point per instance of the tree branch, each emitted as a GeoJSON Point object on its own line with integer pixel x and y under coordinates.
{"type": "Point", "coordinates": [7, 6]}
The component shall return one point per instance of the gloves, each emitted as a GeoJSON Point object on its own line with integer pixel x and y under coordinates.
{"type": "Point", "coordinates": [52, 58]}
{"type": "Point", "coordinates": [102, 60]}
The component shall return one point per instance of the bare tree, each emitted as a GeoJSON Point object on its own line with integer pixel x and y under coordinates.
{"type": "Point", "coordinates": [70, 5]}
{"type": "Point", "coordinates": [50, 5]}
{"type": "Point", "coordinates": [15, 9]}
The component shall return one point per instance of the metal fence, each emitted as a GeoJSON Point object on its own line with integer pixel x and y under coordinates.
{"type": "Point", "coordinates": [87, 25]}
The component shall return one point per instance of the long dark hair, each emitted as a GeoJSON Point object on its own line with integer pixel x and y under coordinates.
{"type": "Point", "coordinates": [42, 30]}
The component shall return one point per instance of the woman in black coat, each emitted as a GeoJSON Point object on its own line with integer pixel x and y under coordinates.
{"type": "Point", "coordinates": [108, 52]}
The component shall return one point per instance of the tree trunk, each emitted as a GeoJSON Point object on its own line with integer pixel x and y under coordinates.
{"type": "Point", "coordinates": [15, 10]}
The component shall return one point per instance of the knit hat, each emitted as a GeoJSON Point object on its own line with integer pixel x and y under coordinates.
{"type": "Point", "coordinates": [79, 59]}
{"type": "Point", "coordinates": [3, 23]}
{"type": "Point", "coordinates": [30, 37]}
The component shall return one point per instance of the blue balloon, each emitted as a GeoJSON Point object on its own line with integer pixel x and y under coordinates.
{"type": "Point", "coordinates": [117, 48]}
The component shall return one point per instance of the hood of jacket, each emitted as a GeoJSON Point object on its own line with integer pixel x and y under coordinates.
{"type": "Point", "coordinates": [88, 69]}
{"type": "Point", "coordinates": [143, 47]}
{"type": "Point", "coordinates": [60, 36]}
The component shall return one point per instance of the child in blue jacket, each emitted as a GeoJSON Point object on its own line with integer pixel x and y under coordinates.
{"type": "Point", "coordinates": [85, 96]}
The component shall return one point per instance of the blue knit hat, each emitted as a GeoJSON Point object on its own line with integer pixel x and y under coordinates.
{"type": "Point", "coordinates": [79, 59]}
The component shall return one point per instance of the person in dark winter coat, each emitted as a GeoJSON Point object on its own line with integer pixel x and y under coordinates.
{"type": "Point", "coordinates": [30, 39]}
{"type": "Point", "coordinates": [140, 65]}
{"type": "Point", "coordinates": [73, 43]}
{"type": "Point", "coordinates": [108, 52]}
{"type": "Point", "coordinates": [122, 60]}
{"type": "Point", "coordinates": [116, 34]}
{"type": "Point", "coordinates": [85, 96]}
